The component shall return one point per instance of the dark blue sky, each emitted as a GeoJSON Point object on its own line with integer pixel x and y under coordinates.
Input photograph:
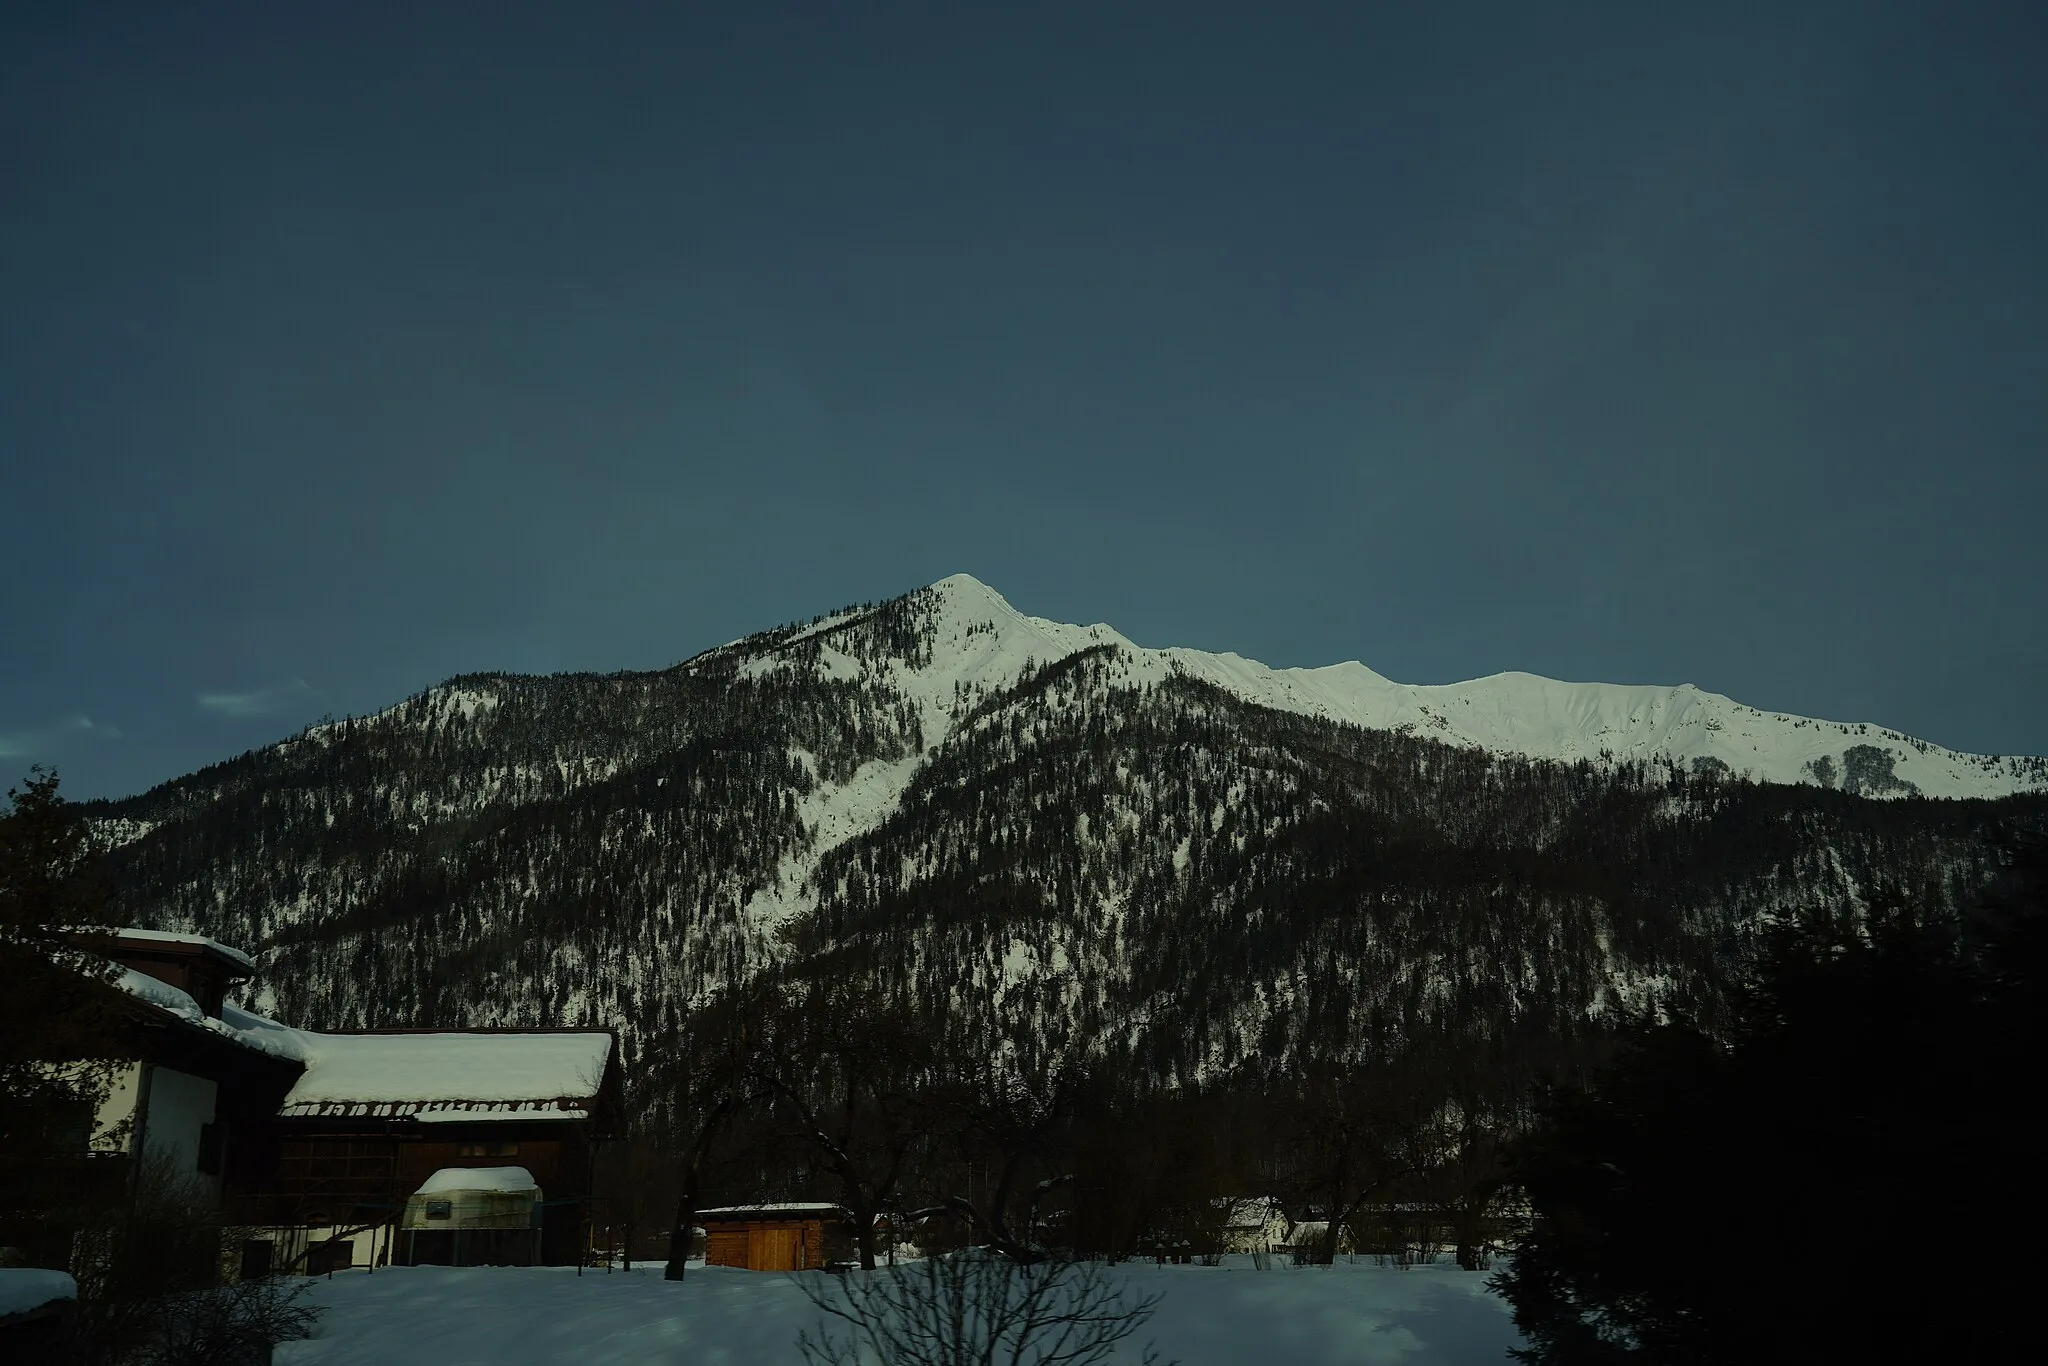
{"type": "Point", "coordinates": [347, 347]}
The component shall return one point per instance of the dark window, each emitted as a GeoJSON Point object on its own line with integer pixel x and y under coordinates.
{"type": "Point", "coordinates": [497, 1147]}
{"type": "Point", "coordinates": [75, 1123]}
{"type": "Point", "coordinates": [256, 1257]}
{"type": "Point", "coordinates": [362, 1168]}
{"type": "Point", "coordinates": [212, 1138]}
{"type": "Point", "coordinates": [440, 1209]}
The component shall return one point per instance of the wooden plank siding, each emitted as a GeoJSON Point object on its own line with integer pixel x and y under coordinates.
{"type": "Point", "coordinates": [284, 1175]}
{"type": "Point", "coordinates": [769, 1244]}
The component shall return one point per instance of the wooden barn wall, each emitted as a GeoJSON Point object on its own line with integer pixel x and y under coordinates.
{"type": "Point", "coordinates": [293, 1173]}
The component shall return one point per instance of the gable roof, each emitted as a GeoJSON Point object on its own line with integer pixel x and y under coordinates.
{"type": "Point", "coordinates": [452, 1074]}
{"type": "Point", "coordinates": [1252, 1211]}
{"type": "Point", "coordinates": [426, 1074]}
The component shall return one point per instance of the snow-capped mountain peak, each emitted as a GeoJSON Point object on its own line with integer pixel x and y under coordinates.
{"type": "Point", "coordinates": [982, 644]}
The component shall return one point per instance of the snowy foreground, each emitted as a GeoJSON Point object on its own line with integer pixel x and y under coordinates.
{"type": "Point", "coordinates": [1210, 1316]}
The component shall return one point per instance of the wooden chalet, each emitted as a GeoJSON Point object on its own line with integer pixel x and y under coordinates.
{"type": "Point", "coordinates": [376, 1114]}
{"type": "Point", "coordinates": [313, 1144]}
{"type": "Point", "coordinates": [789, 1237]}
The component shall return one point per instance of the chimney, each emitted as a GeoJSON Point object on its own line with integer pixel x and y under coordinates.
{"type": "Point", "coordinates": [196, 965]}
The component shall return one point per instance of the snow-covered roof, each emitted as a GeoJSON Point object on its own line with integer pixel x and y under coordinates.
{"type": "Point", "coordinates": [796, 1209]}
{"type": "Point", "coordinates": [507, 1180]}
{"type": "Point", "coordinates": [1251, 1211]}
{"type": "Point", "coordinates": [236, 1026]}
{"type": "Point", "coordinates": [199, 940]}
{"type": "Point", "coordinates": [159, 993]}
{"type": "Point", "coordinates": [23, 1288]}
{"type": "Point", "coordinates": [499, 1112]}
{"type": "Point", "coordinates": [504, 1073]}
{"type": "Point", "coordinates": [432, 1076]}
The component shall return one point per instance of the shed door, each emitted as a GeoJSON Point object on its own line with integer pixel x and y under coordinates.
{"type": "Point", "coordinates": [772, 1249]}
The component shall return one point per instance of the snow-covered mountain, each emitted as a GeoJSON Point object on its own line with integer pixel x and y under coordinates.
{"type": "Point", "coordinates": [982, 646]}
{"type": "Point", "coordinates": [1045, 837]}
{"type": "Point", "coordinates": [986, 643]}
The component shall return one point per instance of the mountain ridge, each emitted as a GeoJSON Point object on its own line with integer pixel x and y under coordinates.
{"type": "Point", "coordinates": [1679, 721]}
{"type": "Point", "coordinates": [1039, 838]}
{"type": "Point", "coordinates": [1510, 712]}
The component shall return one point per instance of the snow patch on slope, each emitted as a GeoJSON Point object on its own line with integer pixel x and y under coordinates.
{"type": "Point", "coordinates": [982, 646]}
{"type": "Point", "coordinates": [833, 813]}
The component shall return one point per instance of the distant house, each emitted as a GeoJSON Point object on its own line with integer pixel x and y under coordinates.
{"type": "Point", "coordinates": [1254, 1223]}
{"type": "Point", "coordinates": [788, 1237]}
{"type": "Point", "coordinates": [315, 1144]}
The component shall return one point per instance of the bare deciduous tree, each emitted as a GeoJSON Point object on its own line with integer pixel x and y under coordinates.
{"type": "Point", "coordinates": [974, 1309]}
{"type": "Point", "coordinates": [698, 1081]}
{"type": "Point", "coordinates": [844, 1071]}
{"type": "Point", "coordinates": [1018, 1130]}
{"type": "Point", "coordinates": [1358, 1133]}
{"type": "Point", "coordinates": [231, 1325]}
{"type": "Point", "coordinates": [148, 1285]}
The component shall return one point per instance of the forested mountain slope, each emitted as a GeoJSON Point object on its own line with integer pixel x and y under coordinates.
{"type": "Point", "coordinates": [1045, 839]}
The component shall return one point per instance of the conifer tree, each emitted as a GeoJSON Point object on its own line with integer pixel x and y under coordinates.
{"type": "Point", "coordinates": [1843, 1175]}
{"type": "Point", "coordinates": [60, 1024]}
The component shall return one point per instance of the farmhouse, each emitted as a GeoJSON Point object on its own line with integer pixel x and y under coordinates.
{"type": "Point", "coordinates": [1254, 1223]}
{"type": "Point", "coordinates": [315, 1145]}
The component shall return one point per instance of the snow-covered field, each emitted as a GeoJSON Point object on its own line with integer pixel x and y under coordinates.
{"type": "Point", "coordinates": [1358, 1314]}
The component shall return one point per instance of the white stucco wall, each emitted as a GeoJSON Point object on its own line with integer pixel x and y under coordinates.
{"type": "Point", "coordinates": [116, 1110]}
{"type": "Point", "coordinates": [178, 1105]}
{"type": "Point", "coordinates": [290, 1243]}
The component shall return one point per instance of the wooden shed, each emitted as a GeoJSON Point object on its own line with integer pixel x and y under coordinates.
{"type": "Point", "coordinates": [795, 1237]}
